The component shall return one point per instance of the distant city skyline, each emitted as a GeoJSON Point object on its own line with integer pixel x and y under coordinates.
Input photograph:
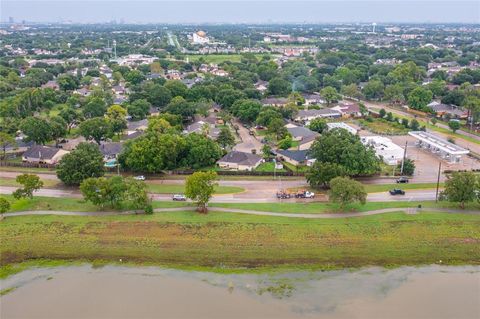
{"type": "Point", "coordinates": [235, 11]}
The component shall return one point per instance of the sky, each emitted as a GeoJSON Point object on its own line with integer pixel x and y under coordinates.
{"type": "Point", "coordinates": [241, 11]}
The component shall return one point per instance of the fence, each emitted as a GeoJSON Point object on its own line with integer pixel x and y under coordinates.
{"type": "Point", "coordinates": [27, 165]}
{"type": "Point", "coordinates": [239, 173]}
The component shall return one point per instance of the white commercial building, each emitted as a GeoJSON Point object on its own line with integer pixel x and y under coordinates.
{"type": "Point", "coordinates": [388, 151]}
{"type": "Point", "coordinates": [200, 37]}
{"type": "Point", "coordinates": [437, 145]}
{"type": "Point", "coordinates": [345, 126]}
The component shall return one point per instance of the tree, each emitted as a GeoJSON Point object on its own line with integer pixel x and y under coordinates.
{"type": "Point", "coordinates": [279, 86]}
{"type": "Point", "coordinates": [454, 125]}
{"type": "Point", "coordinates": [318, 125]}
{"type": "Point", "coordinates": [226, 97]}
{"type": "Point", "coordinates": [139, 109]}
{"type": "Point", "coordinates": [340, 147]}
{"type": "Point", "coordinates": [320, 174]}
{"type": "Point", "coordinates": [246, 110]}
{"type": "Point", "coordinates": [382, 113]}
{"type": "Point", "coordinates": [225, 138]}
{"type": "Point", "coordinates": [419, 98]}
{"type": "Point", "coordinates": [177, 88]}
{"type": "Point", "coordinates": [134, 77]}
{"type": "Point", "coordinates": [30, 183]}
{"type": "Point", "coordinates": [330, 94]}
{"type": "Point", "coordinates": [201, 151]}
{"type": "Point", "coordinates": [69, 115]}
{"type": "Point", "coordinates": [36, 129]}
{"type": "Point", "coordinates": [83, 162]}
{"type": "Point", "coordinates": [414, 125]}
{"type": "Point", "coordinates": [96, 129]}
{"type": "Point", "coordinates": [286, 143]}
{"type": "Point", "coordinates": [58, 128]}
{"type": "Point", "coordinates": [116, 117]}
{"type": "Point", "coordinates": [408, 167]}
{"type": "Point", "coordinates": [374, 89]}
{"type": "Point", "coordinates": [67, 82]}
{"type": "Point", "coordinates": [461, 187]}
{"type": "Point", "coordinates": [158, 95]}
{"type": "Point", "coordinates": [4, 205]}
{"type": "Point", "coordinates": [277, 128]}
{"type": "Point", "coordinates": [95, 107]}
{"type": "Point", "coordinates": [179, 106]}
{"type": "Point", "coordinates": [344, 190]}
{"type": "Point", "coordinates": [267, 152]}
{"type": "Point", "coordinates": [6, 140]}
{"type": "Point", "coordinates": [199, 187]}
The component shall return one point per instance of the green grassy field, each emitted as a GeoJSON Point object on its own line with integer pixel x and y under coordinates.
{"type": "Point", "coordinates": [268, 167]}
{"type": "Point", "coordinates": [380, 126]}
{"type": "Point", "coordinates": [375, 188]}
{"type": "Point", "coordinates": [12, 182]}
{"type": "Point", "coordinates": [232, 241]}
{"type": "Point", "coordinates": [174, 189]}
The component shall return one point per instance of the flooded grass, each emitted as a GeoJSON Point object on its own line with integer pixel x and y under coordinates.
{"type": "Point", "coordinates": [228, 242]}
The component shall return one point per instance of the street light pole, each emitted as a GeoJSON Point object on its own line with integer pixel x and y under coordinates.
{"type": "Point", "coordinates": [404, 156]}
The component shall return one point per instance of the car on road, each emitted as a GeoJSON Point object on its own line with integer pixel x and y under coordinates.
{"type": "Point", "coordinates": [179, 197]}
{"type": "Point", "coordinates": [139, 178]}
{"type": "Point", "coordinates": [402, 180]}
{"type": "Point", "coordinates": [396, 191]}
{"type": "Point", "coordinates": [304, 194]}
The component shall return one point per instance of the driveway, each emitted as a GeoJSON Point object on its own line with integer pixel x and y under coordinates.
{"type": "Point", "coordinates": [248, 142]}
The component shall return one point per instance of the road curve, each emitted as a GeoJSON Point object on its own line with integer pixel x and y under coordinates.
{"type": "Point", "coordinates": [408, 210]}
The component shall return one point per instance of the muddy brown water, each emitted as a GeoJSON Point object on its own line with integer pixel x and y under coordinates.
{"type": "Point", "coordinates": [150, 292]}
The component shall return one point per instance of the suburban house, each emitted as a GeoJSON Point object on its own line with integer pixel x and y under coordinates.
{"type": "Point", "coordinates": [43, 154]}
{"type": "Point", "coordinates": [303, 135]}
{"type": "Point", "coordinates": [453, 111]}
{"type": "Point", "coordinates": [51, 85]}
{"type": "Point", "coordinates": [313, 99]}
{"type": "Point", "coordinates": [274, 101]}
{"type": "Point", "coordinates": [308, 115]}
{"type": "Point", "coordinates": [348, 109]}
{"type": "Point", "coordinates": [240, 161]}
{"type": "Point", "coordinates": [293, 157]}
{"type": "Point", "coordinates": [141, 125]}
{"type": "Point", "coordinates": [261, 86]}
{"type": "Point", "coordinates": [83, 92]}
{"type": "Point", "coordinates": [201, 127]}
{"type": "Point", "coordinates": [110, 150]}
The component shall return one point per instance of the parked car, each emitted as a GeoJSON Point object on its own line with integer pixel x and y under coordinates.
{"type": "Point", "coordinates": [283, 194]}
{"type": "Point", "coordinates": [179, 197]}
{"type": "Point", "coordinates": [402, 180]}
{"type": "Point", "coordinates": [139, 178]}
{"type": "Point", "coordinates": [304, 194]}
{"type": "Point", "coordinates": [396, 191]}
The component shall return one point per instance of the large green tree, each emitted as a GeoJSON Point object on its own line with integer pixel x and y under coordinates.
{"type": "Point", "coordinates": [36, 129]}
{"type": "Point", "coordinates": [97, 129]}
{"type": "Point", "coordinates": [341, 147]}
{"type": "Point", "coordinates": [344, 190]}
{"type": "Point", "coordinates": [419, 98]}
{"type": "Point", "coordinates": [83, 162]}
{"type": "Point", "coordinates": [320, 174]}
{"type": "Point", "coordinates": [200, 187]}
{"type": "Point", "coordinates": [462, 187]}
{"type": "Point", "coordinates": [30, 183]}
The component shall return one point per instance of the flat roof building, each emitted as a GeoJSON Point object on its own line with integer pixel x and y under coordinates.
{"type": "Point", "coordinates": [385, 149]}
{"type": "Point", "coordinates": [343, 125]}
{"type": "Point", "coordinates": [437, 145]}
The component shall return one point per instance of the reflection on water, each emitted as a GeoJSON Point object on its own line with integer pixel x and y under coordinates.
{"type": "Point", "coordinates": [149, 292]}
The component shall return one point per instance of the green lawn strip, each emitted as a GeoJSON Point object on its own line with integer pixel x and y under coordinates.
{"type": "Point", "coordinates": [68, 204]}
{"type": "Point", "coordinates": [238, 241]}
{"type": "Point", "coordinates": [32, 170]}
{"type": "Point", "coordinates": [382, 126]}
{"type": "Point", "coordinates": [375, 188]}
{"type": "Point", "coordinates": [175, 189]}
{"type": "Point", "coordinates": [11, 182]}
{"type": "Point", "coordinates": [326, 207]}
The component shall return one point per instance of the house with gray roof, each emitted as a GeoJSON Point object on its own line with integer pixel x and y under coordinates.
{"type": "Point", "coordinates": [294, 157]}
{"type": "Point", "coordinates": [240, 161]}
{"type": "Point", "coordinates": [43, 154]}
{"type": "Point", "coordinates": [110, 150]}
{"type": "Point", "coordinates": [308, 115]}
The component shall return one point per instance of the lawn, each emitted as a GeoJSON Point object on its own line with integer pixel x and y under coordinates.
{"type": "Point", "coordinates": [268, 167]}
{"type": "Point", "coordinates": [178, 188]}
{"type": "Point", "coordinates": [11, 182]}
{"type": "Point", "coordinates": [227, 241]}
{"type": "Point", "coordinates": [67, 204]}
{"type": "Point", "coordinates": [381, 126]}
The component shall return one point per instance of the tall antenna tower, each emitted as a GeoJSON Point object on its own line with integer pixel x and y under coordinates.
{"type": "Point", "coordinates": [115, 48]}
{"type": "Point", "coordinates": [373, 27]}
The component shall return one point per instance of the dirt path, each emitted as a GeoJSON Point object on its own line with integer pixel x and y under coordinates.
{"type": "Point", "coordinates": [407, 210]}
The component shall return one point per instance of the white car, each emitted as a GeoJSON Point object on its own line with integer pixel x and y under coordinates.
{"type": "Point", "coordinates": [139, 178]}
{"type": "Point", "coordinates": [179, 197]}
{"type": "Point", "coordinates": [309, 194]}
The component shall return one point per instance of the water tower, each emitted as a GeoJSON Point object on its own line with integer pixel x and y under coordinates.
{"type": "Point", "coordinates": [373, 27]}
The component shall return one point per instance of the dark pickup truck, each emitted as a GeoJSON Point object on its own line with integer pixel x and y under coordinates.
{"type": "Point", "coordinates": [396, 192]}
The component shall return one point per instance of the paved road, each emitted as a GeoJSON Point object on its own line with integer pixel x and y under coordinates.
{"type": "Point", "coordinates": [265, 196]}
{"type": "Point", "coordinates": [408, 210]}
{"type": "Point", "coordinates": [249, 142]}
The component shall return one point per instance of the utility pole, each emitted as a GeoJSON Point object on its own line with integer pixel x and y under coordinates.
{"type": "Point", "coordinates": [404, 156]}
{"type": "Point", "coordinates": [438, 180]}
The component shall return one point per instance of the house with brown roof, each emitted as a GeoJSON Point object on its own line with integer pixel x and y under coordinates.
{"type": "Point", "coordinates": [43, 154]}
